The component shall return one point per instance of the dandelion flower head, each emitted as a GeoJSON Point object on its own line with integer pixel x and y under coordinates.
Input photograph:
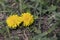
{"type": "Point", "coordinates": [13, 21]}
{"type": "Point", "coordinates": [27, 19]}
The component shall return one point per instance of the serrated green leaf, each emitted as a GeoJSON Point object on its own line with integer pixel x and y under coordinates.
{"type": "Point", "coordinates": [52, 8]}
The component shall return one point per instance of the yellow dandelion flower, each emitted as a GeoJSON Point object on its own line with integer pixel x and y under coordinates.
{"type": "Point", "coordinates": [27, 19]}
{"type": "Point", "coordinates": [13, 21]}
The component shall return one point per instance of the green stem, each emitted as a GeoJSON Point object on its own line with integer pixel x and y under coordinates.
{"type": "Point", "coordinates": [5, 38]}
{"type": "Point", "coordinates": [8, 32]}
{"type": "Point", "coordinates": [40, 16]}
{"type": "Point", "coordinates": [20, 5]}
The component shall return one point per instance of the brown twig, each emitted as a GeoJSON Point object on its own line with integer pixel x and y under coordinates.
{"type": "Point", "coordinates": [25, 36]}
